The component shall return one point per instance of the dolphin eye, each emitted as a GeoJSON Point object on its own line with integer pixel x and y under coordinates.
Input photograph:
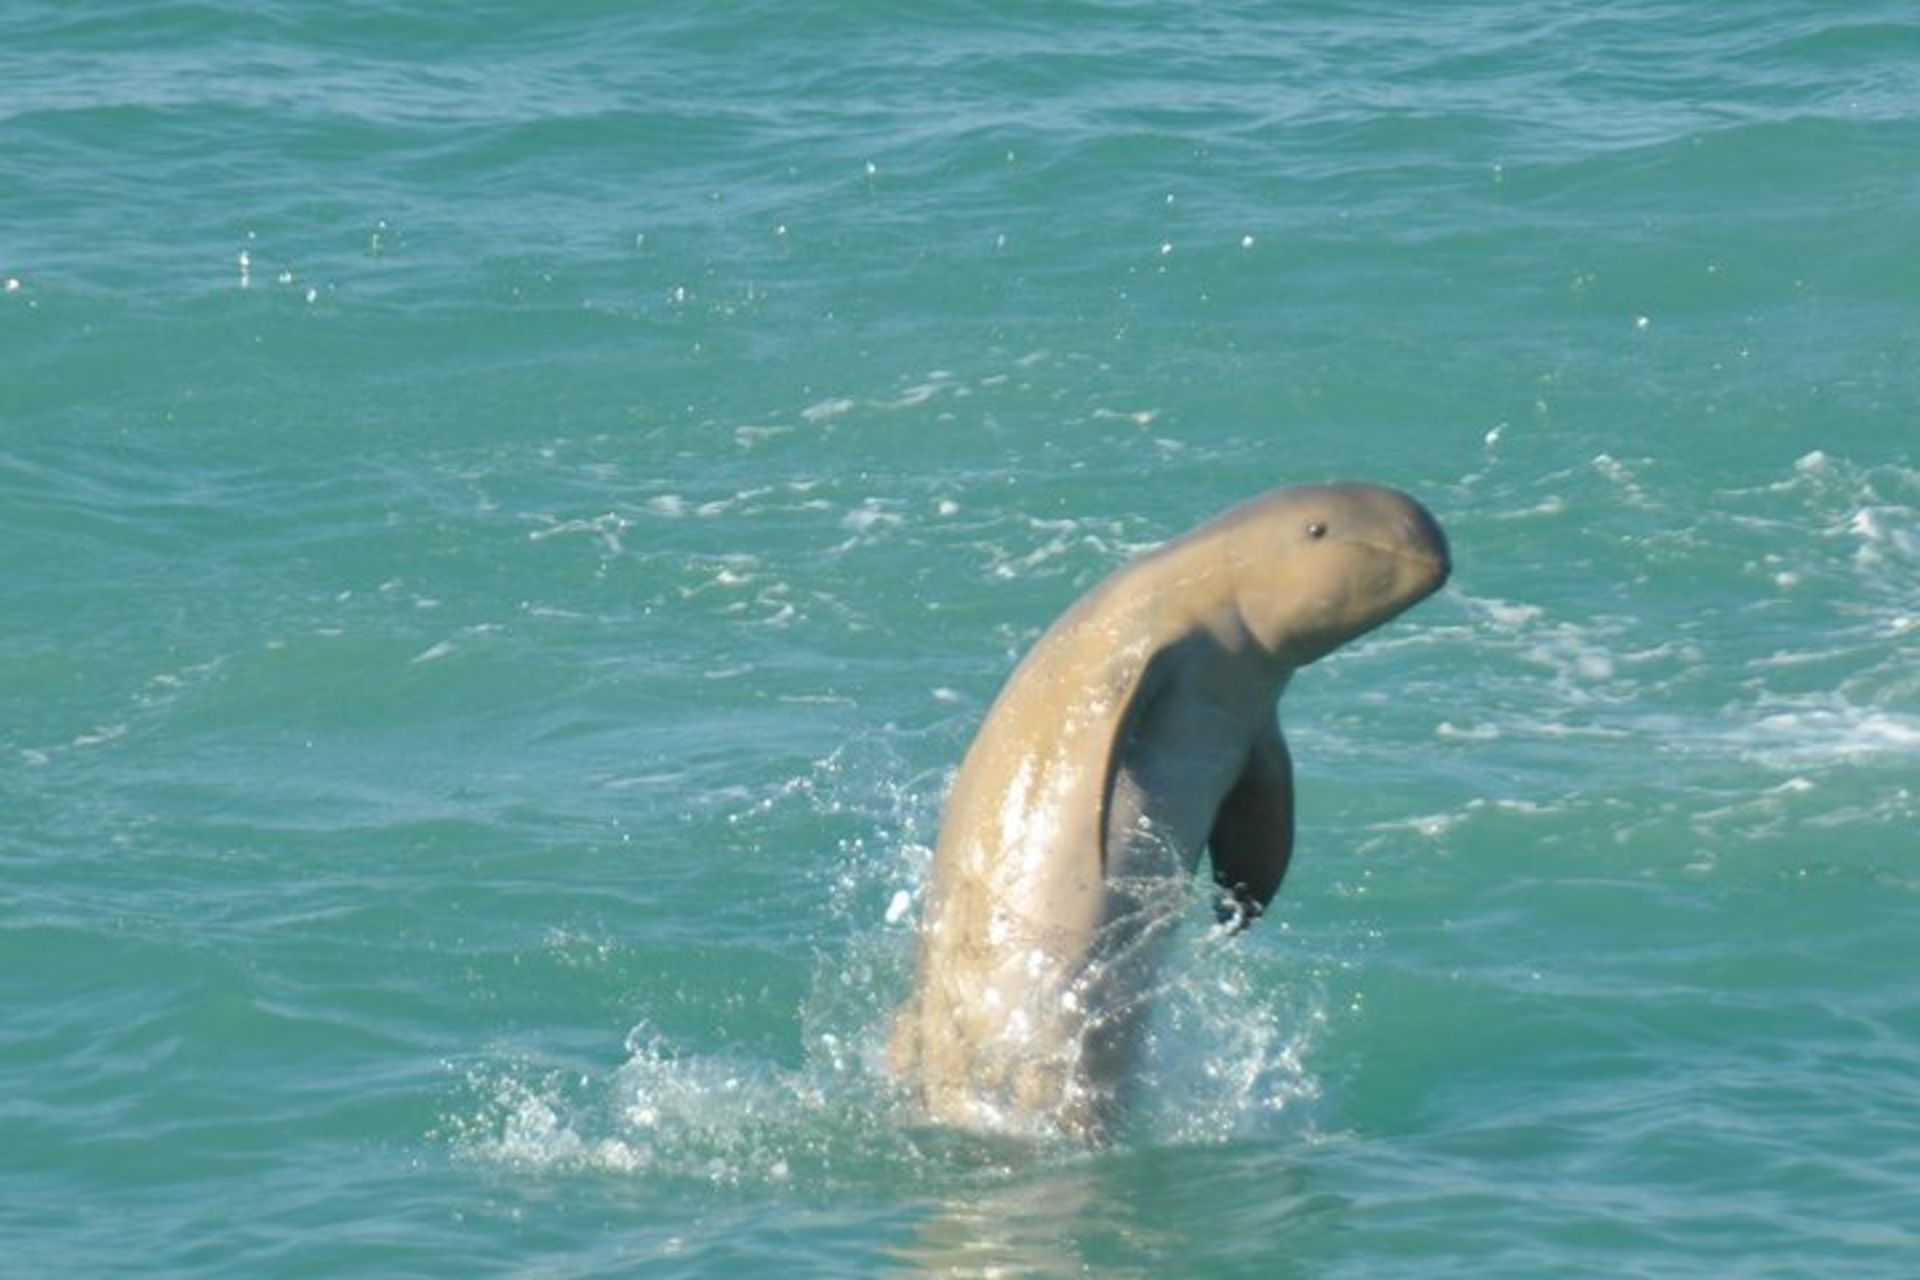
{"type": "Point", "coordinates": [1316, 529]}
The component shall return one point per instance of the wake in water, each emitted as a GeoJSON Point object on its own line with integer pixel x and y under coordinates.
{"type": "Point", "coordinates": [1226, 1056]}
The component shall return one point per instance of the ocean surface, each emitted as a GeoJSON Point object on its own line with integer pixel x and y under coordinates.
{"type": "Point", "coordinates": [510, 515]}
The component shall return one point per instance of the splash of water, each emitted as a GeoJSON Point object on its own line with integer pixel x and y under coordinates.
{"type": "Point", "coordinates": [1225, 1057]}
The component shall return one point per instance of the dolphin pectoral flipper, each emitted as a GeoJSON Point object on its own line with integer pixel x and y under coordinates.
{"type": "Point", "coordinates": [1136, 697]}
{"type": "Point", "coordinates": [1252, 837]}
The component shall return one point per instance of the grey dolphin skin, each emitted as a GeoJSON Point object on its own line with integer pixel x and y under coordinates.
{"type": "Point", "coordinates": [1139, 731]}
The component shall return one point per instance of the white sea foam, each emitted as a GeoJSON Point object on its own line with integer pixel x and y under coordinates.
{"type": "Point", "coordinates": [871, 515]}
{"type": "Point", "coordinates": [1503, 614]}
{"type": "Point", "coordinates": [100, 736]}
{"type": "Point", "coordinates": [828, 410]}
{"type": "Point", "coordinates": [1622, 477]}
{"type": "Point", "coordinates": [1827, 730]}
{"type": "Point", "coordinates": [709, 1118]}
{"type": "Point", "coordinates": [1884, 531]}
{"type": "Point", "coordinates": [914, 396]}
{"type": "Point", "coordinates": [1552, 505]}
{"type": "Point", "coordinates": [606, 529]}
{"type": "Point", "coordinates": [751, 436]}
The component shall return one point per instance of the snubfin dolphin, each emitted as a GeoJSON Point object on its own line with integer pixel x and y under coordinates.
{"type": "Point", "coordinates": [1138, 731]}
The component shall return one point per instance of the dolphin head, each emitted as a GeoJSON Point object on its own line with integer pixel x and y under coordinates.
{"type": "Point", "coordinates": [1315, 566]}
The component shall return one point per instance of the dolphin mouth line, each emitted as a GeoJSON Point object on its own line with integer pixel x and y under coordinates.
{"type": "Point", "coordinates": [1442, 565]}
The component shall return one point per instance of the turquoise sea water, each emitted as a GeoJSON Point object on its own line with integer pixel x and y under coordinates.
{"type": "Point", "coordinates": [510, 514]}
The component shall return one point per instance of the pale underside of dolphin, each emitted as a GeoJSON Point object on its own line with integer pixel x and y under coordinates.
{"type": "Point", "coordinates": [1138, 732]}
